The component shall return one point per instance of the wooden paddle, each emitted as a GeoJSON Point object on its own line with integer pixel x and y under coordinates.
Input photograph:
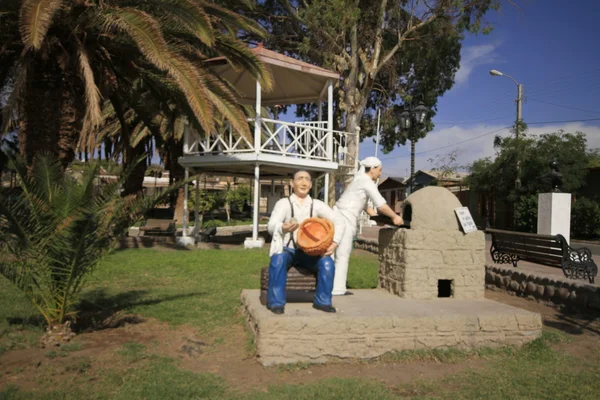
{"type": "Point", "coordinates": [383, 220]}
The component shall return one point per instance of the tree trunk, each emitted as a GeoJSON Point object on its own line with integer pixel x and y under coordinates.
{"type": "Point", "coordinates": [355, 104]}
{"type": "Point", "coordinates": [179, 210]}
{"type": "Point", "coordinates": [57, 334]}
{"type": "Point", "coordinates": [52, 113]}
{"type": "Point", "coordinates": [107, 149]}
{"type": "Point", "coordinates": [134, 184]}
{"type": "Point", "coordinates": [39, 120]}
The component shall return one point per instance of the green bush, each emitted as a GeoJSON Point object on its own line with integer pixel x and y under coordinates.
{"type": "Point", "coordinates": [585, 218]}
{"type": "Point", "coordinates": [219, 222]}
{"type": "Point", "coordinates": [526, 214]}
{"type": "Point", "coordinates": [214, 223]}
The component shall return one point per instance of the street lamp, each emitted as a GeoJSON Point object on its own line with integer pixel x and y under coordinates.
{"type": "Point", "coordinates": [411, 119]}
{"type": "Point", "coordinates": [495, 72]}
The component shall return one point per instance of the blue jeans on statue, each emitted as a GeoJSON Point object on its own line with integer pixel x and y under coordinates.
{"type": "Point", "coordinates": [278, 268]}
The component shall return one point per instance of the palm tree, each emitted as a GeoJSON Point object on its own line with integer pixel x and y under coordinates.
{"type": "Point", "coordinates": [62, 58]}
{"type": "Point", "coordinates": [57, 229]}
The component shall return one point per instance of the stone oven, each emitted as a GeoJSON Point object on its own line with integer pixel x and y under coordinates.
{"type": "Point", "coordinates": [433, 258]}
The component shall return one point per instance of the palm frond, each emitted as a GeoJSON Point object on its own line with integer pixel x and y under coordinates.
{"type": "Point", "coordinates": [225, 102]}
{"type": "Point", "coordinates": [93, 110]}
{"type": "Point", "coordinates": [35, 20]}
{"type": "Point", "coordinates": [18, 88]}
{"type": "Point", "coordinates": [232, 21]}
{"type": "Point", "coordinates": [145, 31]}
{"type": "Point", "coordinates": [139, 133]}
{"type": "Point", "coordinates": [189, 15]}
{"type": "Point", "coordinates": [238, 55]}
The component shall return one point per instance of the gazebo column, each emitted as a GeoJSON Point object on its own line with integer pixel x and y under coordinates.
{"type": "Point", "coordinates": [255, 241]}
{"type": "Point", "coordinates": [196, 204]}
{"type": "Point", "coordinates": [256, 202]}
{"type": "Point", "coordinates": [184, 239]}
{"type": "Point", "coordinates": [185, 204]}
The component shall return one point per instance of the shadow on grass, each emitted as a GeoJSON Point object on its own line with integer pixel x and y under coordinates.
{"type": "Point", "coordinates": [97, 310]}
{"type": "Point", "coordinates": [564, 327]}
{"type": "Point", "coordinates": [33, 321]}
{"type": "Point", "coordinates": [575, 323]}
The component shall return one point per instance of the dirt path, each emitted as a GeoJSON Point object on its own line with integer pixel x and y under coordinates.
{"type": "Point", "coordinates": [227, 354]}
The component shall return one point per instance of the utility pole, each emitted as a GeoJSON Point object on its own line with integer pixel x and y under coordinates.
{"type": "Point", "coordinates": [495, 72]}
{"type": "Point", "coordinates": [517, 128]}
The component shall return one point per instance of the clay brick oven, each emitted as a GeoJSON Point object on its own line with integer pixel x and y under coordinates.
{"type": "Point", "coordinates": [433, 258]}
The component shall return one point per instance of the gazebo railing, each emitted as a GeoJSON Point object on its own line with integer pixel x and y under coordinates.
{"type": "Point", "coordinates": [307, 140]}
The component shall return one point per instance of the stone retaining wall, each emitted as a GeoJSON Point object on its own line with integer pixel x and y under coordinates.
{"type": "Point", "coordinates": [371, 245]}
{"type": "Point", "coordinates": [576, 294]}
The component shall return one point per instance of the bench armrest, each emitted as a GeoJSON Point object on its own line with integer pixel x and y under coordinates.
{"type": "Point", "coordinates": [582, 254]}
{"type": "Point", "coordinates": [579, 264]}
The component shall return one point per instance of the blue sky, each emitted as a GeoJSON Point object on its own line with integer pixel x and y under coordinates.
{"type": "Point", "coordinates": [551, 48]}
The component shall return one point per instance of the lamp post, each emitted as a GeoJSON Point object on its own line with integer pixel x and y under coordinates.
{"type": "Point", "coordinates": [495, 72]}
{"type": "Point", "coordinates": [411, 119]}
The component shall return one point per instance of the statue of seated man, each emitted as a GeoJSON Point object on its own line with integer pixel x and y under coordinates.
{"type": "Point", "coordinates": [285, 219]}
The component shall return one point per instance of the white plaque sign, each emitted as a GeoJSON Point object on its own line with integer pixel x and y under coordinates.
{"type": "Point", "coordinates": [465, 218]}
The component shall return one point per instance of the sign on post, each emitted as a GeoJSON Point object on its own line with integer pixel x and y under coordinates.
{"type": "Point", "coordinates": [466, 220]}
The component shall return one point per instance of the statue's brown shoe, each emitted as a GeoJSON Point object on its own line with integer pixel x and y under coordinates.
{"type": "Point", "coordinates": [329, 309]}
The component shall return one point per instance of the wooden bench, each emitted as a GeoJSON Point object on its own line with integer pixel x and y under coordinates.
{"type": "Point", "coordinates": [158, 227]}
{"type": "Point", "coordinates": [300, 287]}
{"type": "Point", "coordinates": [553, 250]}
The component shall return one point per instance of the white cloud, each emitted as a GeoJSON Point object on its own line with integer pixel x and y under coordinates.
{"type": "Point", "coordinates": [473, 56]}
{"type": "Point", "coordinates": [443, 141]}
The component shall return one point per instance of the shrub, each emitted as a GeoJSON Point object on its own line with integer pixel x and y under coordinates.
{"type": "Point", "coordinates": [56, 230]}
{"type": "Point", "coordinates": [585, 218]}
{"type": "Point", "coordinates": [526, 214]}
{"type": "Point", "coordinates": [214, 223]}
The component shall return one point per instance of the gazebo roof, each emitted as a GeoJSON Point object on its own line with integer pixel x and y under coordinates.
{"type": "Point", "coordinates": [294, 81]}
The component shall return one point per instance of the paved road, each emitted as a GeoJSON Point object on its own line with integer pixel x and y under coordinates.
{"type": "Point", "coordinates": [594, 247]}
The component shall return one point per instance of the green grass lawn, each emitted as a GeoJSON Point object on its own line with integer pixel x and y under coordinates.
{"type": "Point", "coordinates": [201, 289]}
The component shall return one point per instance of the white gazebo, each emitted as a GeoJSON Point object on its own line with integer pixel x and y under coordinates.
{"type": "Point", "coordinates": [279, 148]}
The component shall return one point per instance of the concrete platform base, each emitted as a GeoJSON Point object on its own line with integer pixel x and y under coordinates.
{"type": "Point", "coordinates": [249, 243]}
{"type": "Point", "coordinates": [373, 322]}
{"type": "Point", "coordinates": [184, 241]}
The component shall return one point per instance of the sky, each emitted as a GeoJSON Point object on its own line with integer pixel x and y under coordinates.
{"type": "Point", "coordinates": [551, 48]}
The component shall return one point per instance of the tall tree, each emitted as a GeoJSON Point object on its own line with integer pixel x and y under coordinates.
{"type": "Point", "coordinates": [61, 58]}
{"type": "Point", "coordinates": [384, 50]}
{"type": "Point", "coordinates": [495, 178]}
